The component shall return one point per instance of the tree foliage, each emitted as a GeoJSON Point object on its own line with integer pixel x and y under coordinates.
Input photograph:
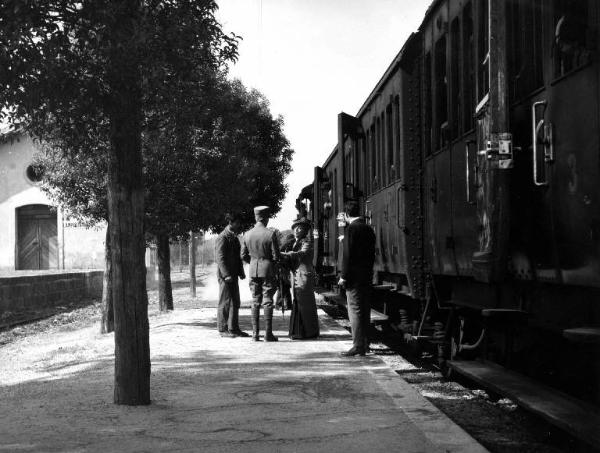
{"type": "Point", "coordinates": [228, 161]}
{"type": "Point", "coordinates": [56, 54]}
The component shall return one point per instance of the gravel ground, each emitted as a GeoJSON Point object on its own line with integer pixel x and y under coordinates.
{"type": "Point", "coordinates": [499, 425]}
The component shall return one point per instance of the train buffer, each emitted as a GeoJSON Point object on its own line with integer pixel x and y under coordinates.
{"type": "Point", "coordinates": [577, 417]}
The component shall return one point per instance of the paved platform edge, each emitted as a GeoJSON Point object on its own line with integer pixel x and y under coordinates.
{"type": "Point", "coordinates": [432, 422]}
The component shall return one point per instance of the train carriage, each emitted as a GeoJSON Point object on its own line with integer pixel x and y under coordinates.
{"type": "Point", "coordinates": [476, 160]}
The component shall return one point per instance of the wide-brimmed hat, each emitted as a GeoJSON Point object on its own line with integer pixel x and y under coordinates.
{"type": "Point", "coordinates": [301, 221]}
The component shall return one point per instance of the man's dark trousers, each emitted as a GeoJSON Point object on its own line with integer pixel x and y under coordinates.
{"type": "Point", "coordinates": [229, 306]}
{"type": "Point", "coordinates": [359, 312]}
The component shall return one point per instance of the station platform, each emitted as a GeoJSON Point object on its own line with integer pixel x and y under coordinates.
{"type": "Point", "coordinates": [214, 394]}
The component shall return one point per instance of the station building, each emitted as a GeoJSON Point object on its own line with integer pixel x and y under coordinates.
{"type": "Point", "coordinates": [34, 234]}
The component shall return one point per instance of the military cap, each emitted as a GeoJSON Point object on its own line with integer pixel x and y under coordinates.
{"type": "Point", "coordinates": [261, 210]}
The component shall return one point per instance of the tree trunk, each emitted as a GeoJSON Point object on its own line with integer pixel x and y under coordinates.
{"type": "Point", "coordinates": [192, 258]}
{"type": "Point", "coordinates": [165, 292]}
{"type": "Point", "coordinates": [126, 209]}
{"type": "Point", "coordinates": [107, 324]}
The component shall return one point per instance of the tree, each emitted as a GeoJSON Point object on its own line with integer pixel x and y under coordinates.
{"type": "Point", "coordinates": [73, 66]}
{"type": "Point", "coordinates": [253, 157]}
{"type": "Point", "coordinates": [228, 161]}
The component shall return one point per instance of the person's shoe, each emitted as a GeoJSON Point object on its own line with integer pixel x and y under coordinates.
{"type": "Point", "coordinates": [240, 333]}
{"type": "Point", "coordinates": [352, 352]}
{"type": "Point", "coordinates": [270, 337]}
{"type": "Point", "coordinates": [228, 334]}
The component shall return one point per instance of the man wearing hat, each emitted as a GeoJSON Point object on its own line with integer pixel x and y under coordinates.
{"type": "Point", "coordinates": [260, 248]}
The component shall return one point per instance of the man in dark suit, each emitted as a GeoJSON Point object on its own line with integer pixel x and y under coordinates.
{"type": "Point", "coordinates": [260, 248]}
{"type": "Point", "coordinates": [358, 257]}
{"type": "Point", "coordinates": [230, 268]}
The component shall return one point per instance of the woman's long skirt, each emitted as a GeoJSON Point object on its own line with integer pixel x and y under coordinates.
{"type": "Point", "coordinates": [304, 321]}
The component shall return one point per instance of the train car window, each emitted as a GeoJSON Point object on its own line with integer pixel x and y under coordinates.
{"type": "Point", "coordinates": [398, 136]}
{"type": "Point", "coordinates": [391, 173]}
{"type": "Point", "coordinates": [441, 94]}
{"type": "Point", "coordinates": [571, 46]}
{"type": "Point", "coordinates": [427, 83]}
{"type": "Point", "coordinates": [373, 184]}
{"type": "Point", "coordinates": [335, 213]}
{"type": "Point", "coordinates": [378, 175]}
{"type": "Point", "coordinates": [368, 162]}
{"type": "Point", "coordinates": [382, 152]}
{"type": "Point", "coordinates": [362, 165]}
{"type": "Point", "coordinates": [348, 161]}
{"type": "Point", "coordinates": [483, 50]}
{"type": "Point", "coordinates": [455, 94]}
{"type": "Point", "coordinates": [468, 66]}
{"type": "Point", "coordinates": [525, 41]}
{"type": "Point", "coordinates": [335, 192]}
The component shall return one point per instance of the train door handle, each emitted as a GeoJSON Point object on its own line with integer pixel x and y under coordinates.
{"type": "Point", "coordinates": [470, 198]}
{"type": "Point", "coordinates": [536, 125]}
{"type": "Point", "coordinates": [546, 130]}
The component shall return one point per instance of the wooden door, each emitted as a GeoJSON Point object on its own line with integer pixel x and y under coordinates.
{"type": "Point", "coordinates": [568, 142]}
{"type": "Point", "coordinates": [37, 238]}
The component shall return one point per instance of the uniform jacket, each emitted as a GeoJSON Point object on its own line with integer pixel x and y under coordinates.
{"type": "Point", "coordinates": [228, 255]}
{"type": "Point", "coordinates": [358, 254]}
{"type": "Point", "coordinates": [260, 248]}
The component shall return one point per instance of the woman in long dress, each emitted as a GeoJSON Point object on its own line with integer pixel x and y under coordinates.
{"type": "Point", "coordinates": [304, 322]}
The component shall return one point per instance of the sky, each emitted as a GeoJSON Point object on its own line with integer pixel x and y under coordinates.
{"type": "Point", "coordinates": [314, 59]}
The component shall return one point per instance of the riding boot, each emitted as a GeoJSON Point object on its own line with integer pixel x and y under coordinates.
{"type": "Point", "coordinates": [255, 322]}
{"type": "Point", "coordinates": [269, 325]}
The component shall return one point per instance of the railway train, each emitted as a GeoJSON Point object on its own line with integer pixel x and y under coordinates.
{"type": "Point", "coordinates": [476, 161]}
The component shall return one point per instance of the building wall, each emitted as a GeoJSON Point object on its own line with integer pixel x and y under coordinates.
{"type": "Point", "coordinates": [78, 247]}
{"type": "Point", "coordinates": [43, 290]}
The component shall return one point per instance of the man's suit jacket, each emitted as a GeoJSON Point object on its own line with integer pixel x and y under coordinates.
{"type": "Point", "coordinates": [228, 255]}
{"type": "Point", "coordinates": [358, 254]}
{"type": "Point", "coordinates": [260, 248]}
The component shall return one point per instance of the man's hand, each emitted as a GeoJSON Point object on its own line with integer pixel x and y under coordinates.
{"type": "Point", "coordinates": [228, 279]}
{"type": "Point", "coordinates": [342, 282]}
{"type": "Point", "coordinates": [242, 276]}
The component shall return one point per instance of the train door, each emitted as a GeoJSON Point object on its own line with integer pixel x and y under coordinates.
{"type": "Point", "coordinates": [461, 70]}
{"type": "Point", "coordinates": [37, 238]}
{"type": "Point", "coordinates": [438, 162]}
{"type": "Point", "coordinates": [565, 134]}
{"type": "Point", "coordinates": [494, 145]}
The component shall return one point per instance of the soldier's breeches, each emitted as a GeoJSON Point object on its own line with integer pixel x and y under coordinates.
{"type": "Point", "coordinates": [263, 290]}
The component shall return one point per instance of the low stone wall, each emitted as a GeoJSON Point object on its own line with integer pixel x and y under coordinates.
{"type": "Point", "coordinates": [29, 291]}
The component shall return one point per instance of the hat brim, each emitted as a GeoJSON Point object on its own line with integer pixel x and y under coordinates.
{"type": "Point", "coordinates": [306, 224]}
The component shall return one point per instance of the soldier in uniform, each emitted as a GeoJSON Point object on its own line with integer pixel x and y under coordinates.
{"type": "Point", "coordinates": [230, 268]}
{"type": "Point", "coordinates": [260, 248]}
